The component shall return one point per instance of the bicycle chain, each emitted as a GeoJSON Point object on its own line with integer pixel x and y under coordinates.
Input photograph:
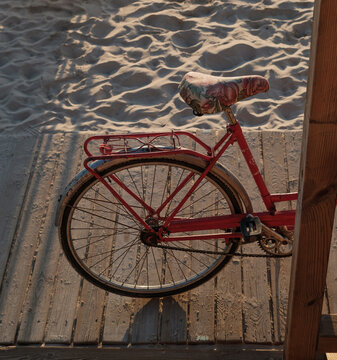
{"type": "Point", "coordinates": [220, 253]}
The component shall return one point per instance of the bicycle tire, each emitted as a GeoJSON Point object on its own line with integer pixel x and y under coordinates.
{"type": "Point", "coordinates": [86, 239]}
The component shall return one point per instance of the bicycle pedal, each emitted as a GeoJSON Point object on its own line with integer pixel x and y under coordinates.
{"type": "Point", "coordinates": [251, 228]}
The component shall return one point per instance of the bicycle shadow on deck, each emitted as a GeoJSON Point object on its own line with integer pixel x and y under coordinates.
{"type": "Point", "coordinates": [159, 321]}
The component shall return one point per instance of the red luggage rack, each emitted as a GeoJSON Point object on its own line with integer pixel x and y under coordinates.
{"type": "Point", "coordinates": [133, 145]}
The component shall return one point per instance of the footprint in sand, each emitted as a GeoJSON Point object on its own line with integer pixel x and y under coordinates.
{"type": "Point", "coordinates": [173, 61]}
{"type": "Point", "coordinates": [145, 97]}
{"type": "Point", "coordinates": [93, 56]}
{"type": "Point", "coordinates": [168, 22]}
{"type": "Point", "coordinates": [30, 70]}
{"type": "Point", "coordinates": [199, 11]}
{"type": "Point", "coordinates": [101, 29]}
{"type": "Point", "coordinates": [105, 68]}
{"type": "Point", "coordinates": [116, 108]}
{"type": "Point", "coordinates": [72, 51]}
{"type": "Point", "coordinates": [302, 29]}
{"type": "Point", "coordinates": [134, 79]}
{"type": "Point", "coordinates": [188, 40]}
{"type": "Point", "coordinates": [294, 107]}
{"type": "Point", "coordinates": [134, 55]}
{"type": "Point", "coordinates": [228, 58]}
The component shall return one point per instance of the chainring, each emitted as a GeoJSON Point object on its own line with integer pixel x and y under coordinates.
{"type": "Point", "coordinates": [276, 247]}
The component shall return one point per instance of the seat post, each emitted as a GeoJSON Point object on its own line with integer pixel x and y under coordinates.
{"type": "Point", "coordinates": [230, 116]}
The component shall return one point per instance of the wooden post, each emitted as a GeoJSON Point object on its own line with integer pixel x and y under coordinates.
{"type": "Point", "coordinates": [317, 193]}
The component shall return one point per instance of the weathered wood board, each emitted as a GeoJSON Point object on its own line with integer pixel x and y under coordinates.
{"type": "Point", "coordinates": [43, 301]}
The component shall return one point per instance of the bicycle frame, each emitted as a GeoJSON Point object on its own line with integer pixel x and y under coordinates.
{"type": "Point", "coordinates": [147, 148]}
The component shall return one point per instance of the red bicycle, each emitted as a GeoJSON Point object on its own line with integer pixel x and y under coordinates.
{"type": "Point", "coordinates": [148, 217]}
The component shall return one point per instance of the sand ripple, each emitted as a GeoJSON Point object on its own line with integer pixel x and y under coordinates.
{"type": "Point", "coordinates": [104, 65]}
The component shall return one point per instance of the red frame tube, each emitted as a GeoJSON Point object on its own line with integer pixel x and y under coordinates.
{"type": "Point", "coordinates": [247, 154]}
{"type": "Point", "coordinates": [224, 236]}
{"type": "Point", "coordinates": [279, 218]}
{"type": "Point", "coordinates": [283, 197]}
{"type": "Point", "coordinates": [234, 133]}
{"type": "Point", "coordinates": [197, 183]}
{"type": "Point", "coordinates": [119, 198]}
{"type": "Point", "coordinates": [169, 198]}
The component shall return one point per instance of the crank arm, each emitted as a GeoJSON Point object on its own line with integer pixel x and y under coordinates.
{"type": "Point", "coordinates": [270, 232]}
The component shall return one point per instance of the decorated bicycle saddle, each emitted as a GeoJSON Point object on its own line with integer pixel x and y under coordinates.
{"type": "Point", "coordinates": [207, 94]}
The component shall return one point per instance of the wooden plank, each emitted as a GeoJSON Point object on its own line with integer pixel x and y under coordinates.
{"type": "Point", "coordinates": [89, 323]}
{"type": "Point", "coordinates": [117, 320]}
{"type": "Point", "coordinates": [254, 297]}
{"type": "Point", "coordinates": [173, 320]}
{"type": "Point", "coordinates": [155, 319]}
{"type": "Point", "coordinates": [22, 258]}
{"type": "Point", "coordinates": [229, 280]}
{"type": "Point", "coordinates": [145, 321]}
{"type": "Point", "coordinates": [293, 142]}
{"type": "Point", "coordinates": [328, 325]}
{"type": "Point", "coordinates": [67, 282]}
{"type": "Point", "coordinates": [331, 279]}
{"type": "Point", "coordinates": [145, 317]}
{"type": "Point", "coordinates": [276, 178]}
{"type": "Point", "coordinates": [119, 309]}
{"type": "Point", "coordinates": [326, 345]}
{"type": "Point", "coordinates": [317, 195]}
{"type": "Point", "coordinates": [201, 305]}
{"type": "Point", "coordinates": [225, 352]}
{"type": "Point", "coordinates": [14, 178]}
{"type": "Point", "coordinates": [145, 311]}
{"type": "Point", "coordinates": [174, 309]}
{"type": "Point", "coordinates": [328, 334]}
{"type": "Point", "coordinates": [89, 317]}
{"type": "Point", "coordinates": [256, 290]}
{"type": "Point", "coordinates": [39, 295]}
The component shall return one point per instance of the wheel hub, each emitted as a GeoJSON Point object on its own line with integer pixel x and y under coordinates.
{"type": "Point", "coordinates": [148, 237]}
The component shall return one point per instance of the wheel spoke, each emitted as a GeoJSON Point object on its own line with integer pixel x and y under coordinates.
{"type": "Point", "coordinates": [102, 238]}
{"type": "Point", "coordinates": [155, 262]}
{"type": "Point", "coordinates": [122, 207]}
{"type": "Point", "coordinates": [178, 264]}
{"type": "Point", "coordinates": [135, 266]}
{"type": "Point", "coordinates": [106, 237]}
{"type": "Point", "coordinates": [145, 256]}
{"type": "Point", "coordinates": [128, 246]}
{"type": "Point", "coordinates": [101, 217]}
{"type": "Point", "coordinates": [153, 182]}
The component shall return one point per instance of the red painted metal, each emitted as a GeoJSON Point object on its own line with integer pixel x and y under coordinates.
{"type": "Point", "coordinates": [279, 218]}
{"type": "Point", "coordinates": [237, 133]}
{"type": "Point", "coordinates": [271, 218]}
{"type": "Point", "coordinates": [151, 138]}
{"type": "Point", "coordinates": [224, 236]}
{"type": "Point", "coordinates": [161, 153]}
{"type": "Point", "coordinates": [222, 140]}
{"type": "Point", "coordinates": [135, 196]}
{"type": "Point", "coordinates": [198, 181]}
{"type": "Point", "coordinates": [283, 197]}
{"type": "Point", "coordinates": [174, 193]}
{"type": "Point", "coordinates": [116, 195]}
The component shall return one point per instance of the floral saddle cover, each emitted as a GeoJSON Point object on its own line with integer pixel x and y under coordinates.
{"type": "Point", "coordinates": [207, 94]}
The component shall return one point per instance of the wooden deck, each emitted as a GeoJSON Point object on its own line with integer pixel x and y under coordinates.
{"type": "Point", "coordinates": [43, 302]}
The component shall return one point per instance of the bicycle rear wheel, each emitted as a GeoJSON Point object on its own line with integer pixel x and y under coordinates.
{"type": "Point", "coordinates": [102, 240]}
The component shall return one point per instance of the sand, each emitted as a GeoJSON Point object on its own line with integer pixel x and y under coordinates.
{"type": "Point", "coordinates": [115, 65]}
